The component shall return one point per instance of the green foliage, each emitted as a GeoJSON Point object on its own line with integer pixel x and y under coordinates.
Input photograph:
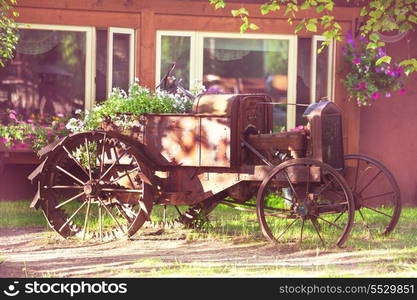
{"type": "Point", "coordinates": [379, 16]}
{"type": "Point", "coordinates": [8, 30]}
{"type": "Point", "coordinates": [123, 108]}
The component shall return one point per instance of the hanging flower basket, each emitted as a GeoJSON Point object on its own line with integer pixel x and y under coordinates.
{"type": "Point", "coordinates": [372, 76]}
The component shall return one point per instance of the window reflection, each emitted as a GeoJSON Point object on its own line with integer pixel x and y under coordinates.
{"type": "Point", "coordinates": [248, 66]}
{"type": "Point", "coordinates": [47, 75]}
{"type": "Point", "coordinates": [121, 55]}
{"type": "Point", "coordinates": [176, 49]}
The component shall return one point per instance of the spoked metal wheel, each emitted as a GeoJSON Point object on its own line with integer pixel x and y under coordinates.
{"type": "Point", "coordinates": [305, 200]}
{"type": "Point", "coordinates": [375, 191]}
{"type": "Point", "coordinates": [96, 186]}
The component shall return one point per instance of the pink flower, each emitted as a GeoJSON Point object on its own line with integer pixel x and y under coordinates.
{"type": "Point", "coordinates": [50, 132]}
{"type": "Point", "coordinates": [12, 116]}
{"type": "Point", "coordinates": [387, 94]}
{"type": "Point", "coordinates": [401, 91]}
{"type": "Point", "coordinates": [356, 61]}
{"type": "Point", "coordinates": [375, 95]}
{"type": "Point", "coordinates": [4, 140]}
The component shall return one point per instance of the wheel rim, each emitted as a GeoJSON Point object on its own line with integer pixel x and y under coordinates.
{"type": "Point", "coordinates": [316, 213]}
{"type": "Point", "coordinates": [95, 187]}
{"type": "Point", "coordinates": [375, 191]}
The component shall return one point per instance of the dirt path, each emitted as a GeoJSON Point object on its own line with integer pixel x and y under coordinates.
{"type": "Point", "coordinates": [34, 252]}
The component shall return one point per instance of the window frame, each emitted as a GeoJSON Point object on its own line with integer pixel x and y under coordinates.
{"type": "Point", "coordinates": [90, 54]}
{"type": "Point", "coordinates": [132, 62]}
{"type": "Point", "coordinates": [313, 68]}
{"type": "Point", "coordinates": [197, 56]}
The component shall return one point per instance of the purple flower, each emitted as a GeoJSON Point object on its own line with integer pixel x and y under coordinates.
{"type": "Point", "coordinates": [381, 53]}
{"type": "Point", "coordinates": [375, 95]}
{"type": "Point", "coordinates": [400, 71]}
{"type": "Point", "coordinates": [349, 38]}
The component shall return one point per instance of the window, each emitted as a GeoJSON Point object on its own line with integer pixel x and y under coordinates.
{"type": "Point", "coordinates": [51, 72]}
{"type": "Point", "coordinates": [59, 69]}
{"type": "Point", "coordinates": [251, 63]}
{"type": "Point", "coordinates": [115, 60]}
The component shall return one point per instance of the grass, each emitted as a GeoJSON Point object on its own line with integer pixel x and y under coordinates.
{"type": "Point", "coordinates": [18, 214]}
{"type": "Point", "coordinates": [365, 254]}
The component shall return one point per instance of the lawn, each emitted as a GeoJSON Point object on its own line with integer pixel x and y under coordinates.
{"type": "Point", "coordinates": [365, 254]}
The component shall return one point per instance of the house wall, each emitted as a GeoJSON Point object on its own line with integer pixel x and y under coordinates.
{"type": "Point", "coordinates": [366, 130]}
{"type": "Point", "coordinates": [388, 128]}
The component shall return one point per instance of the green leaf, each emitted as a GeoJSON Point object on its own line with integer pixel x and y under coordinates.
{"type": "Point", "coordinates": [253, 26]}
{"type": "Point", "coordinates": [384, 59]}
{"type": "Point", "coordinates": [311, 27]}
{"type": "Point", "coordinates": [364, 11]}
{"type": "Point", "coordinates": [305, 5]}
{"type": "Point", "coordinates": [299, 27]}
{"type": "Point", "coordinates": [241, 11]}
{"type": "Point", "coordinates": [412, 19]}
{"type": "Point", "coordinates": [374, 37]}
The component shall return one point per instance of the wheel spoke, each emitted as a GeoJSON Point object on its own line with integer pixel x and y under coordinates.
{"type": "Point", "coordinates": [318, 231]}
{"type": "Point", "coordinates": [369, 183]}
{"type": "Point", "coordinates": [69, 200]}
{"type": "Point", "coordinates": [291, 185]}
{"type": "Point", "coordinates": [127, 172]}
{"type": "Point", "coordinates": [302, 230]}
{"type": "Point", "coordinates": [323, 188]}
{"type": "Point", "coordinates": [114, 163]}
{"type": "Point", "coordinates": [121, 190]}
{"type": "Point", "coordinates": [75, 160]}
{"type": "Point", "coordinates": [330, 223]}
{"type": "Point", "coordinates": [110, 213]}
{"type": "Point", "coordinates": [86, 218]}
{"type": "Point", "coordinates": [287, 228]}
{"type": "Point", "coordinates": [70, 175]}
{"type": "Point", "coordinates": [72, 216]}
{"type": "Point", "coordinates": [57, 187]}
{"type": "Point", "coordinates": [377, 211]}
{"type": "Point", "coordinates": [100, 217]}
{"type": "Point", "coordinates": [376, 196]}
{"type": "Point", "coordinates": [356, 176]}
{"type": "Point", "coordinates": [88, 158]}
{"type": "Point", "coordinates": [102, 154]}
{"type": "Point", "coordinates": [363, 219]}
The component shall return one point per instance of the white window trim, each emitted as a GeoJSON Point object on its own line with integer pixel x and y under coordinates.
{"type": "Point", "coordinates": [313, 68]}
{"type": "Point", "coordinates": [132, 62]}
{"type": "Point", "coordinates": [192, 35]}
{"type": "Point", "coordinates": [196, 62]}
{"type": "Point", "coordinates": [90, 71]}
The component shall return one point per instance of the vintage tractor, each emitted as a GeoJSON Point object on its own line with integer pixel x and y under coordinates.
{"type": "Point", "coordinates": [104, 184]}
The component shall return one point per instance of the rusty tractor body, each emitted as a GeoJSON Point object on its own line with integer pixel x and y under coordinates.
{"type": "Point", "coordinates": [223, 152]}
